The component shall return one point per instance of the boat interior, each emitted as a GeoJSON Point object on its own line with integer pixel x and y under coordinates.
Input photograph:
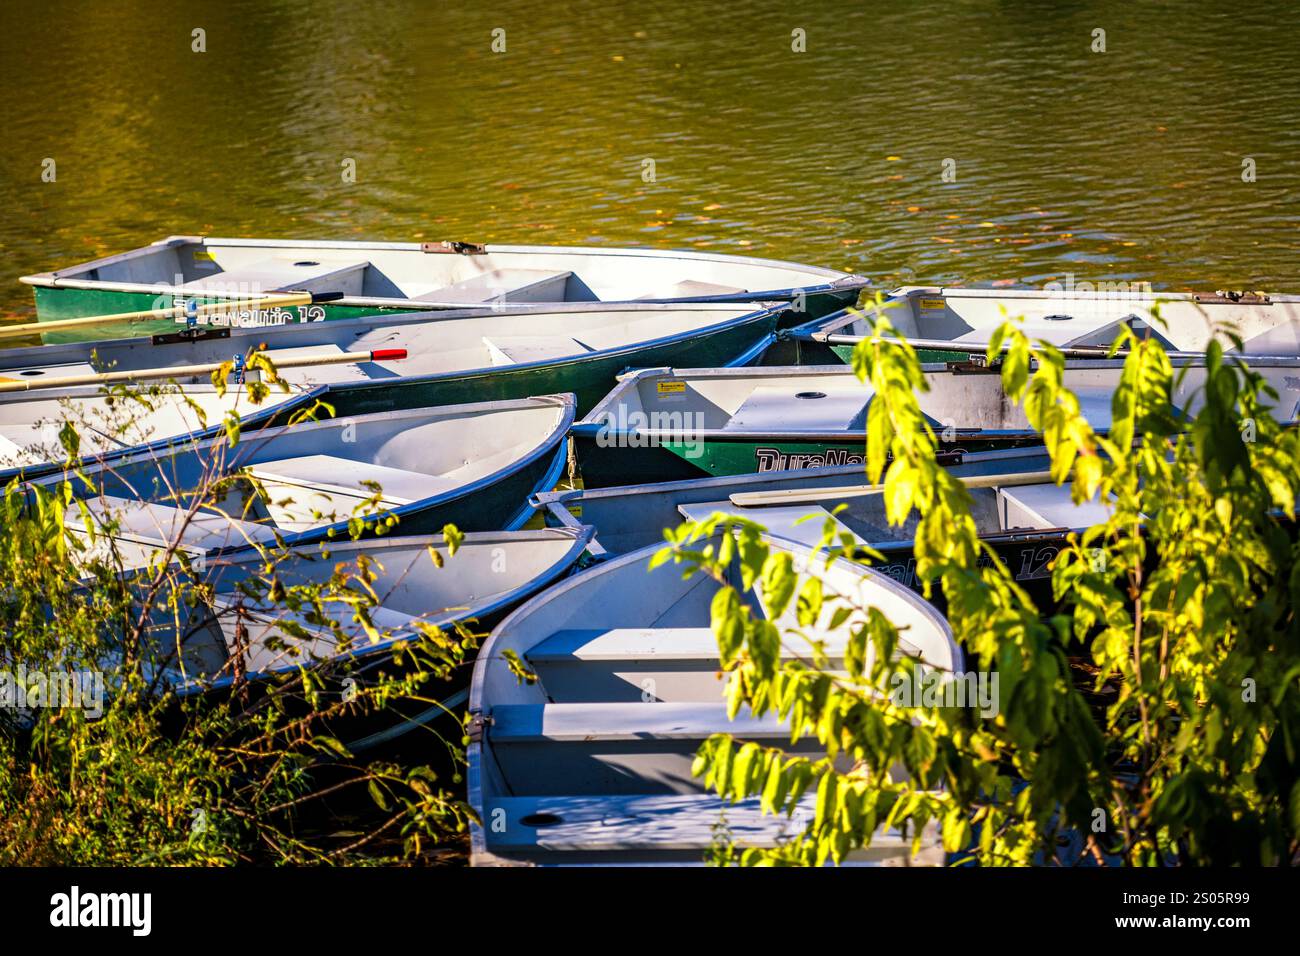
{"type": "Point", "coordinates": [1085, 319]}
{"type": "Point", "coordinates": [313, 475]}
{"type": "Point", "coordinates": [592, 761]}
{"type": "Point", "coordinates": [437, 273]}
{"type": "Point", "coordinates": [435, 343]}
{"type": "Point", "coordinates": [400, 587]}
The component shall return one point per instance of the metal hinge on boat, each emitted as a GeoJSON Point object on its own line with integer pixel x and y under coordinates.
{"type": "Point", "coordinates": [477, 724]}
{"type": "Point", "coordinates": [1223, 297]}
{"type": "Point", "coordinates": [453, 247]}
{"type": "Point", "coordinates": [191, 335]}
{"type": "Point", "coordinates": [978, 364]}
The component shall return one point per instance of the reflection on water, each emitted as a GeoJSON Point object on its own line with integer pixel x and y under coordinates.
{"type": "Point", "coordinates": [1118, 165]}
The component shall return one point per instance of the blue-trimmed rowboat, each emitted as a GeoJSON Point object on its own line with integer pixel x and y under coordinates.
{"type": "Point", "coordinates": [591, 763]}
{"type": "Point", "coordinates": [473, 466]}
{"type": "Point", "coordinates": [489, 575]}
{"type": "Point", "coordinates": [372, 277]}
{"type": "Point", "coordinates": [954, 324]}
{"type": "Point", "coordinates": [672, 424]}
{"type": "Point", "coordinates": [451, 358]}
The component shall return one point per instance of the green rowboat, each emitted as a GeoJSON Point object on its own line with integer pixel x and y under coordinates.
{"type": "Point", "coordinates": [674, 424]}
{"type": "Point", "coordinates": [954, 324]}
{"type": "Point", "coordinates": [383, 277]}
{"type": "Point", "coordinates": [450, 358]}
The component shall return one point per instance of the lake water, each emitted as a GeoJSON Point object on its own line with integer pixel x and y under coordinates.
{"type": "Point", "coordinates": [1118, 165]}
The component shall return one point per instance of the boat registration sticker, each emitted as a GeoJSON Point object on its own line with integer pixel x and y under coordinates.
{"type": "Point", "coordinates": [204, 259]}
{"type": "Point", "coordinates": [930, 305]}
{"type": "Point", "coordinates": [671, 391]}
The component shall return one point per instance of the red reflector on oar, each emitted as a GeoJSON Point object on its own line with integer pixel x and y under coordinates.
{"type": "Point", "coordinates": [384, 355]}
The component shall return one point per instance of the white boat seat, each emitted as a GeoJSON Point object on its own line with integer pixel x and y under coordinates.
{"type": "Point", "coordinates": [690, 288]}
{"type": "Point", "coordinates": [1046, 506]}
{"type": "Point", "coordinates": [345, 476]}
{"type": "Point", "coordinates": [262, 624]}
{"type": "Point", "coordinates": [639, 722]}
{"type": "Point", "coordinates": [774, 408]}
{"type": "Point", "coordinates": [157, 525]}
{"type": "Point", "coordinates": [48, 371]}
{"type": "Point", "coordinates": [521, 349]}
{"type": "Point", "coordinates": [502, 285]}
{"type": "Point", "coordinates": [784, 521]}
{"type": "Point", "coordinates": [619, 748]}
{"type": "Point", "coordinates": [627, 643]}
{"type": "Point", "coordinates": [667, 823]}
{"type": "Point", "coordinates": [629, 665]}
{"type": "Point", "coordinates": [283, 273]}
{"type": "Point", "coordinates": [1084, 330]}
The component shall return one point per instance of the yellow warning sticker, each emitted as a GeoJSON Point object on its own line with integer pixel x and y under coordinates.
{"type": "Point", "coordinates": [672, 388]}
{"type": "Point", "coordinates": [203, 255]}
{"type": "Point", "coordinates": [928, 304]}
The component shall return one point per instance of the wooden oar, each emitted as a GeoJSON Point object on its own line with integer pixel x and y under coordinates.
{"type": "Point", "coordinates": [798, 496]}
{"type": "Point", "coordinates": [272, 300]}
{"type": "Point", "coordinates": [179, 371]}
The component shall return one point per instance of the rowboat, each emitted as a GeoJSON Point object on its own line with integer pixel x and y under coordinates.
{"type": "Point", "coordinates": [446, 357]}
{"type": "Point", "coordinates": [368, 277]}
{"type": "Point", "coordinates": [1019, 512]}
{"type": "Point", "coordinates": [109, 425]}
{"type": "Point", "coordinates": [470, 465]}
{"type": "Point", "coordinates": [591, 763]}
{"type": "Point", "coordinates": [392, 362]}
{"type": "Point", "coordinates": [671, 424]}
{"type": "Point", "coordinates": [489, 572]}
{"type": "Point", "coordinates": [952, 324]}
{"type": "Point", "coordinates": [489, 575]}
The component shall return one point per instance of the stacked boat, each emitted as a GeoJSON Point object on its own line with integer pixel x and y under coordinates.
{"type": "Point", "coordinates": [353, 399]}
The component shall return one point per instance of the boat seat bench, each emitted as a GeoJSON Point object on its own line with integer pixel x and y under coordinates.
{"type": "Point", "coordinates": [345, 476]}
{"type": "Point", "coordinates": [522, 349]}
{"type": "Point", "coordinates": [618, 748]}
{"type": "Point", "coordinates": [1046, 506]}
{"type": "Point", "coordinates": [647, 723]}
{"type": "Point", "coordinates": [281, 274]}
{"type": "Point", "coordinates": [627, 643]}
{"type": "Point", "coordinates": [691, 288]}
{"type": "Point", "coordinates": [773, 408]}
{"type": "Point", "coordinates": [501, 285]}
{"type": "Point", "coordinates": [622, 666]}
{"type": "Point", "coordinates": [786, 521]}
{"type": "Point", "coordinates": [156, 525]}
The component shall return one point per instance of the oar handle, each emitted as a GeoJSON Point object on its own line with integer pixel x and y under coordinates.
{"type": "Point", "coordinates": [171, 311]}
{"type": "Point", "coordinates": [181, 371]}
{"type": "Point", "coordinates": [798, 496]}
